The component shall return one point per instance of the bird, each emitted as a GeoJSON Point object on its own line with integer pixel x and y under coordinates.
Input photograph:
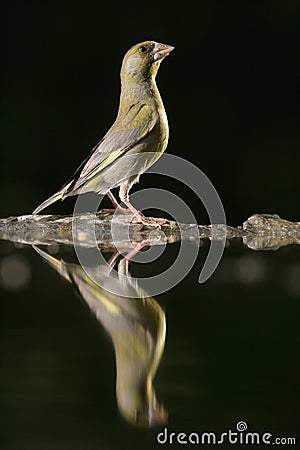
{"type": "Point", "coordinates": [140, 132]}
{"type": "Point", "coordinates": [135, 322]}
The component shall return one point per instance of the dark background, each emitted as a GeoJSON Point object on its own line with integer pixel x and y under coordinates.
{"type": "Point", "coordinates": [230, 88]}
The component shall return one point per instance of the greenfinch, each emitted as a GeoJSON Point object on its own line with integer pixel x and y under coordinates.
{"type": "Point", "coordinates": [141, 127]}
{"type": "Point", "coordinates": [136, 324]}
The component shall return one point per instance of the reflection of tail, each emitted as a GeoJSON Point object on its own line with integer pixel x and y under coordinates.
{"type": "Point", "coordinates": [137, 326]}
{"type": "Point", "coordinates": [49, 201]}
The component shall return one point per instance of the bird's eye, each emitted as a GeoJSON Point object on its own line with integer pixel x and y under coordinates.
{"type": "Point", "coordinates": [142, 49]}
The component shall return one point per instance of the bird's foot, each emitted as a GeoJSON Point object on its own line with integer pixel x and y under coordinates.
{"type": "Point", "coordinates": [138, 246]}
{"type": "Point", "coordinates": [140, 218]}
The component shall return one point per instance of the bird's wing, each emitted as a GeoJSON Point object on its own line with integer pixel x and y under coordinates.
{"type": "Point", "coordinates": [122, 136]}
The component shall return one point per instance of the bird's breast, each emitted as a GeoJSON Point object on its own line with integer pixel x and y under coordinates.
{"type": "Point", "coordinates": [160, 132]}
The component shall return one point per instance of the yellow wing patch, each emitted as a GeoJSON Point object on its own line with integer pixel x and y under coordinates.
{"type": "Point", "coordinates": [106, 162]}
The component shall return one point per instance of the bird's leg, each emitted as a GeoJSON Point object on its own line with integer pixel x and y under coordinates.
{"type": "Point", "coordinates": [139, 217]}
{"type": "Point", "coordinates": [128, 257]}
{"type": "Point", "coordinates": [138, 247]}
{"type": "Point", "coordinates": [113, 259]}
{"type": "Point", "coordinates": [114, 201]}
{"type": "Point", "coordinates": [116, 205]}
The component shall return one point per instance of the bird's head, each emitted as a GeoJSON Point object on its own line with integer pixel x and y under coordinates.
{"type": "Point", "coordinates": [142, 61]}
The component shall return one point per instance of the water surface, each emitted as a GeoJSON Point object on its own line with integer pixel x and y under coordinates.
{"type": "Point", "coordinates": [230, 351]}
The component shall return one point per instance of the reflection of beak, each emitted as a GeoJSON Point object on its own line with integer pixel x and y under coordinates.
{"type": "Point", "coordinates": [161, 51]}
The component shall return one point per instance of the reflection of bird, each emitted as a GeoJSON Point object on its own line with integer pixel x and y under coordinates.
{"type": "Point", "coordinates": [137, 327]}
{"type": "Point", "coordinates": [141, 126]}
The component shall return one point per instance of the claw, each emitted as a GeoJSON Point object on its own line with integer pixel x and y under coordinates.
{"type": "Point", "coordinates": [140, 218]}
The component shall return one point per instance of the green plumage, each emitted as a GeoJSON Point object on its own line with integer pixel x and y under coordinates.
{"type": "Point", "coordinates": [141, 127]}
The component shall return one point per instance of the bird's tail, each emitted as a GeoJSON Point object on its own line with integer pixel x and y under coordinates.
{"type": "Point", "coordinates": [49, 201]}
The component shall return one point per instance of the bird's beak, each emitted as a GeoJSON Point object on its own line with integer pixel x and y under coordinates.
{"type": "Point", "coordinates": [161, 50]}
